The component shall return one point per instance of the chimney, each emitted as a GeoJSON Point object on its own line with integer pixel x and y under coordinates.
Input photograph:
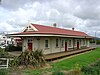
{"type": "Point", "coordinates": [54, 25]}
{"type": "Point", "coordinates": [73, 28]}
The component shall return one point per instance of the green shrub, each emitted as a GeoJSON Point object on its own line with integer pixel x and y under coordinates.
{"type": "Point", "coordinates": [3, 54]}
{"type": "Point", "coordinates": [27, 58]}
{"type": "Point", "coordinates": [58, 73]}
{"type": "Point", "coordinates": [92, 69]}
{"type": "Point", "coordinates": [3, 72]}
{"type": "Point", "coordinates": [11, 47]}
{"type": "Point", "coordinates": [98, 41]}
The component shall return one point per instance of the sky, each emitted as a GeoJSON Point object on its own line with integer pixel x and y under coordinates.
{"type": "Point", "coordinates": [83, 15]}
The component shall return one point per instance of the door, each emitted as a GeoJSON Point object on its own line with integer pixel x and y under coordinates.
{"type": "Point", "coordinates": [65, 46]}
{"type": "Point", "coordinates": [78, 45]}
{"type": "Point", "coordinates": [30, 46]}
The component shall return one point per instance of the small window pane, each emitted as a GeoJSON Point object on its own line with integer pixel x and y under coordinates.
{"type": "Point", "coordinates": [46, 43]}
{"type": "Point", "coordinates": [69, 43]}
{"type": "Point", "coordinates": [56, 42]}
{"type": "Point", "coordinates": [74, 42]}
{"type": "Point", "coordinates": [62, 43]}
{"type": "Point", "coordinates": [83, 42]}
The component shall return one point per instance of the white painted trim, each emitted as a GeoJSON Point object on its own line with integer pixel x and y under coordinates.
{"type": "Point", "coordinates": [47, 35]}
{"type": "Point", "coordinates": [71, 42]}
{"type": "Point", "coordinates": [33, 27]}
{"type": "Point", "coordinates": [48, 43]}
{"type": "Point", "coordinates": [7, 63]}
{"type": "Point", "coordinates": [25, 27]}
{"type": "Point", "coordinates": [29, 24]}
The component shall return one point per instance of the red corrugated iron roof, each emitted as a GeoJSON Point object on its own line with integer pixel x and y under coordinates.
{"type": "Point", "coordinates": [53, 30]}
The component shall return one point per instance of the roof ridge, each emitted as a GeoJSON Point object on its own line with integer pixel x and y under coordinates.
{"type": "Point", "coordinates": [42, 29]}
{"type": "Point", "coordinates": [58, 28]}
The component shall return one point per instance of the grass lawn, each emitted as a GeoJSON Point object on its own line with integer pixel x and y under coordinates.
{"type": "Point", "coordinates": [67, 64]}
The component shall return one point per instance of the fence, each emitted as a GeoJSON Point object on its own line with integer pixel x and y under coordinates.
{"type": "Point", "coordinates": [4, 62]}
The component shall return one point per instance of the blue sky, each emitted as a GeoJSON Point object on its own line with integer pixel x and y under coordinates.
{"type": "Point", "coordinates": [83, 15]}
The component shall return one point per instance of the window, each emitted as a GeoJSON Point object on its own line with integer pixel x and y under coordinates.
{"type": "Point", "coordinates": [74, 42]}
{"type": "Point", "coordinates": [80, 42]}
{"type": "Point", "coordinates": [56, 42]}
{"type": "Point", "coordinates": [29, 40]}
{"type": "Point", "coordinates": [46, 44]}
{"type": "Point", "coordinates": [83, 42]}
{"type": "Point", "coordinates": [62, 43]}
{"type": "Point", "coordinates": [70, 43]}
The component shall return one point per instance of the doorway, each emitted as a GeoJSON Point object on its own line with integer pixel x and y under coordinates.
{"type": "Point", "coordinates": [65, 46]}
{"type": "Point", "coordinates": [30, 44]}
{"type": "Point", "coordinates": [78, 45]}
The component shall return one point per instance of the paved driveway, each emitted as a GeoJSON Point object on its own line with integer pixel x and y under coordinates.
{"type": "Point", "coordinates": [15, 53]}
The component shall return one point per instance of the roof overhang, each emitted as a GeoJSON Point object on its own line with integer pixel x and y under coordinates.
{"type": "Point", "coordinates": [34, 35]}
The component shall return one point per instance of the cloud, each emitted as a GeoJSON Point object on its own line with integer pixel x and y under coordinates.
{"type": "Point", "coordinates": [3, 27]}
{"type": "Point", "coordinates": [88, 9]}
{"type": "Point", "coordinates": [82, 14]}
{"type": "Point", "coordinates": [13, 4]}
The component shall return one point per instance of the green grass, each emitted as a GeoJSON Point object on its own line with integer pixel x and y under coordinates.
{"type": "Point", "coordinates": [3, 72]}
{"type": "Point", "coordinates": [67, 64]}
{"type": "Point", "coordinates": [83, 59]}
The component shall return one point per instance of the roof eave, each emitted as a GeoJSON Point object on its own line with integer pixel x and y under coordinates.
{"type": "Point", "coordinates": [58, 35]}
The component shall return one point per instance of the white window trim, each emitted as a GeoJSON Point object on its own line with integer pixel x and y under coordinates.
{"type": "Point", "coordinates": [62, 43]}
{"type": "Point", "coordinates": [70, 46]}
{"type": "Point", "coordinates": [56, 43]}
{"type": "Point", "coordinates": [75, 43]}
{"type": "Point", "coordinates": [84, 42]}
{"type": "Point", "coordinates": [48, 44]}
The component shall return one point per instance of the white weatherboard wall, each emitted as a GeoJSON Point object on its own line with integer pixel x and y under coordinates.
{"type": "Point", "coordinates": [24, 44]}
{"type": "Point", "coordinates": [54, 48]}
{"type": "Point", "coordinates": [88, 42]}
{"type": "Point", "coordinates": [63, 48]}
{"type": "Point", "coordinates": [83, 42]}
{"type": "Point", "coordinates": [75, 40]}
{"type": "Point", "coordinates": [39, 43]}
{"type": "Point", "coordinates": [70, 46]}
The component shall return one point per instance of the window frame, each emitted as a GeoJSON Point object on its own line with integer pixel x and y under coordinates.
{"type": "Point", "coordinates": [70, 43]}
{"type": "Point", "coordinates": [62, 43]}
{"type": "Point", "coordinates": [75, 42]}
{"type": "Point", "coordinates": [57, 42]}
{"type": "Point", "coordinates": [46, 44]}
{"type": "Point", "coordinates": [84, 43]}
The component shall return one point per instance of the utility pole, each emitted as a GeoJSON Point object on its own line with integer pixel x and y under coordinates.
{"type": "Point", "coordinates": [95, 39]}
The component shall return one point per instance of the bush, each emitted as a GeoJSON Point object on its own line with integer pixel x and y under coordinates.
{"type": "Point", "coordinates": [3, 72]}
{"type": "Point", "coordinates": [92, 69]}
{"type": "Point", "coordinates": [11, 47]}
{"type": "Point", "coordinates": [27, 58]}
{"type": "Point", "coordinates": [58, 73]}
{"type": "Point", "coordinates": [98, 41]}
{"type": "Point", "coordinates": [3, 54]}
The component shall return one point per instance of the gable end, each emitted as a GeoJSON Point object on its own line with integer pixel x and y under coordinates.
{"type": "Point", "coordinates": [29, 28]}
